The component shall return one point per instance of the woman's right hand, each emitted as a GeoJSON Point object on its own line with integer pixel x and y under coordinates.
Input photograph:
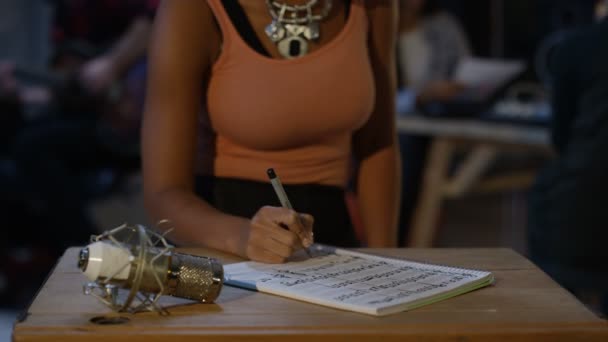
{"type": "Point", "coordinates": [276, 233]}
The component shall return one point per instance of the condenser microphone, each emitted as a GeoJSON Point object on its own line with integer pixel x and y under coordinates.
{"type": "Point", "coordinates": [141, 261]}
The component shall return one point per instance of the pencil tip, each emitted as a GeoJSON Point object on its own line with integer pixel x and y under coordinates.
{"type": "Point", "coordinates": [271, 173]}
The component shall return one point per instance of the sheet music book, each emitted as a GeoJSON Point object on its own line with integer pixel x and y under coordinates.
{"type": "Point", "coordinates": [359, 282]}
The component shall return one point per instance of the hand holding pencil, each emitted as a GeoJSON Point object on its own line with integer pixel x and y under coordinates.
{"type": "Point", "coordinates": [306, 237]}
{"type": "Point", "coordinates": [270, 242]}
{"type": "Point", "coordinates": [277, 232]}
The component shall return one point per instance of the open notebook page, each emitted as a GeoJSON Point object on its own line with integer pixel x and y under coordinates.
{"type": "Point", "coordinates": [357, 282]}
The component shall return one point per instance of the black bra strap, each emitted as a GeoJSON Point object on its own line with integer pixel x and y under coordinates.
{"type": "Point", "coordinates": [346, 9]}
{"type": "Point", "coordinates": [243, 26]}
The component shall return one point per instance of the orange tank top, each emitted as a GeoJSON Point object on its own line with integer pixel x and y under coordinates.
{"type": "Point", "coordinates": [297, 116]}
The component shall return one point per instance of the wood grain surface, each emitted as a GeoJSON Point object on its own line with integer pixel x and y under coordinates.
{"type": "Point", "coordinates": [524, 304]}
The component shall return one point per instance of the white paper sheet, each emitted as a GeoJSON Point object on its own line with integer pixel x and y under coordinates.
{"type": "Point", "coordinates": [357, 282]}
{"type": "Point", "coordinates": [479, 72]}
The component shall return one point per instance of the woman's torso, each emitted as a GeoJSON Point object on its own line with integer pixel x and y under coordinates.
{"type": "Point", "coordinates": [297, 115]}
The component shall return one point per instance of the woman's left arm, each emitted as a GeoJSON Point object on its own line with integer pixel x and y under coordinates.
{"type": "Point", "coordinates": [375, 145]}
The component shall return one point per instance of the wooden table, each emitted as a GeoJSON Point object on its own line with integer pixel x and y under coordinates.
{"type": "Point", "coordinates": [523, 305]}
{"type": "Point", "coordinates": [481, 142]}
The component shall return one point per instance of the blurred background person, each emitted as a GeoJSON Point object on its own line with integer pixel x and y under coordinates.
{"type": "Point", "coordinates": [108, 36]}
{"type": "Point", "coordinates": [86, 135]}
{"type": "Point", "coordinates": [24, 28]}
{"type": "Point", "coordinates": [568, 216]}
{"type": "Point", "coordinates": [431, 44]}
{"type": "Point", "coordinates": [99, 48]}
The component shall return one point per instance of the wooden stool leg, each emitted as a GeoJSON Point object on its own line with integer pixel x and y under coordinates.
{"type": "Point", "coordinates": [471, 170]}
{"type": "Point", "coordinates": [424, 223]}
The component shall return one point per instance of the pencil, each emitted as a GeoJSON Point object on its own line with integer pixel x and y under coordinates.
{"type": "Point", "coordinates": [285, 203]}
